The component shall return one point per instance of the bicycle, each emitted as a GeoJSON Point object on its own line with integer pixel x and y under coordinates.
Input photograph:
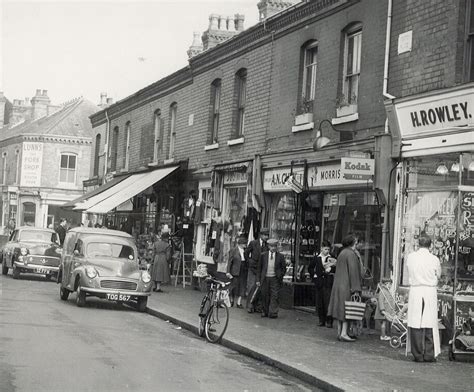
{"type": "Point", "coordinates": [214, 311]}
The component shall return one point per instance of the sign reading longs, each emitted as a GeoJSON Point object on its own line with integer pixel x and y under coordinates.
{"type": "Point", "coordinates": [31, 164]}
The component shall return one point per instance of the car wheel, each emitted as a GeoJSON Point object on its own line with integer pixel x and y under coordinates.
{"type": "Point", "coordinates": [4, 268]}
{"type": "Point", "coordinates": [63, 293]}
{"type": "Point", "coordinates": [16, 272]}
{"type": "Point", "coordinates": [80, 297]}
{"type": "Point", "coordinates": [141, 304]}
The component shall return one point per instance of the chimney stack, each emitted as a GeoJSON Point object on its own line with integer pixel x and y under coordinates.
{"type": "Point", "coordinates": [103, 99]}
{"type": "Point", "coordinates": [268, 8]}
{"type": "Point", "coordinates": [196, 46]}
{"type": "Point", "coordinates": [3, 102]}
{"type": "Point", "coordinates": [110, 101]}
{"type": "Point", "coordinates": [239, 22]}
{"type": "Point", "coordinates": [220, 29]}
{"type": "Point", "coordinates": [40, 103]}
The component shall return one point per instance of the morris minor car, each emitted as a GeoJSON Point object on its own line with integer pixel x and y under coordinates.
{"type": "Point", "coordinates": [31, 250]}
{"type": "Point", "coordinates": [102, 263]}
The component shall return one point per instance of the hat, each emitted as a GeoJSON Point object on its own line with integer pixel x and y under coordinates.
{"type": "Point", "coordinates": [265, 231]}
{"type": "Point", "coordinates": [272, 241]}
{"type": "Point", "coordinates": [242, 240]}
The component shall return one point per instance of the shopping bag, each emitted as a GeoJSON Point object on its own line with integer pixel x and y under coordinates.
{"type": "Point", "coordinates": [355, 308]}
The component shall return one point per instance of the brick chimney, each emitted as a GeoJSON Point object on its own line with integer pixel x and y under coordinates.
{"type": "Point", "coordinates": [267, 8]}
{"type": "Point", "coordinates": [40, 103]}
{"type": "Point", "coordinates": [196, 46]}
{"type": "Point", "coordinates": [221, 28]}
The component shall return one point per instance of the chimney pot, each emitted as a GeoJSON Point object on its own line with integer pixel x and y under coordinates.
{"type": "Point", "coordinates": [239, 22]}
{"type": "Point", "coordinates": [103, 98]}
{"type": "Point", "coordinates": [213, 22]}
{"type": "Point", "coordinates": [222, 22]}
{"type": "Point", "coordinates": [45, 93]}
{"type": "Point", "coordinates": [38, 92]}
{"type": "Point", "coordinates": [110, 101]}
{"type": "Point", "coordinates": [231, 23]}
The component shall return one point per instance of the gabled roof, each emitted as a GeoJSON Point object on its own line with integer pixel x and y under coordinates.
{"type": "Point", "coordinates": [72, 120]}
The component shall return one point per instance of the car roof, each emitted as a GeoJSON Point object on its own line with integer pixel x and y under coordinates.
{"type": "Point", "coordinates": [33, 228]}
{"type": "Point", "coordinates": [99, 231]}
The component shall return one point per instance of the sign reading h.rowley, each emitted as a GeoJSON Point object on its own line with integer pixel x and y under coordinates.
{"type": "Point", "coordinates": [31, 164]}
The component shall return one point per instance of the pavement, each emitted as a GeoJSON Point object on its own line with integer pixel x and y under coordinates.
{"type": "Point", "coordinates": [295, 344]}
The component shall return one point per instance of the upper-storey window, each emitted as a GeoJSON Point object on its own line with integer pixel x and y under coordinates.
{"type": "Point", "coordinates": [351, 68]}
{"type": "Point", "coordinates": [68, 168]}
{"type": "Point", "coordinates": [128, 129]}
{"type": "Point", "coordinates": [469, 63]}
{"type": "Point", "coordinates": [114, 150]}
{"type": "Point", "coordinates": [156, 134]}
{"type": "Point", "coordinates": [17, 166]}
{"type": "Point", "coordinates": [215, 108]}
{"type": "Point", "coordinates": [96, 155]}
{"type": "Point", "coordinates": [4, 168]}
{"type": "Point", "coordinates": [241, 95]}
{"type": "Point", "coordinates": [172, 133]}
{"type": "Point", "coordinates": [310, 54]}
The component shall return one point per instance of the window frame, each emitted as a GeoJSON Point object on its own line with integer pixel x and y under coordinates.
{"type": "Point", "coordinates": [172, 131]}
{"type": "Point", "coordinates": [98, 140]}
{"type": "Point", "coordinates": [114, 149]}
{"type": "Point", "coordinates": [216, 92]}
{"type": "Point", "coordinates": [309, 68]}
{"type": "Point", "coordinates": [469, 41]}
{"type": "Point", "coordinates": [241, 91]}
{"type": "Point", "coordinates": [354, 33]}
{"type": "Point", "coordinates": [68, 169]}
{"type": "Point", "coordinates": [156, 134]}
{"type": "Point", "coordinates": [17, 164]}
{"type": "Point", "coordinates": [4, 167]}
{"type": "Point", "coordinates": [128, 130]}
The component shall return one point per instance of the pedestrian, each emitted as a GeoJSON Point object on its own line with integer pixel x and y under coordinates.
{"type": "Point", "coordinates": [253, 254]}
{"type": "Point", "coordinates": [322, 268]}
{"type": "Point", "coordinates": [160, 271]}
{"type": "Point", "coordinates": [424, 270]}
{"type": "Point", "coordinates": [270, 275]}
{"type": "Point", "coordinates": [347, 281]}
{"type": "Point", "coordinates": [61, 230]}
{"type": "Point", "coordinates": [237, 271]}
{"type": "Point", "coordinates": [384, 301]}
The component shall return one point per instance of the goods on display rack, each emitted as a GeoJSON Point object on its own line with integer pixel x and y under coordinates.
{"type": "Point", "coordinates": [145, 250]}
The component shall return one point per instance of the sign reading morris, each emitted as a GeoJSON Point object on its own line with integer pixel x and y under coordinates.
{"type": "Point", "coordinates": [31, 164]}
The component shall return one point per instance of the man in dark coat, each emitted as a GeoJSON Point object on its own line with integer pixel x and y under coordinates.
{"type": "Point", "coordinates": [253, 254]}
{"type": "Point", "coordinates": [270, 275]}
{"type": "Point", "coordinates": [61, 230]}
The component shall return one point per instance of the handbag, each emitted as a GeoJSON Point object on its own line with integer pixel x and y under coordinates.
{"type": "Point", "coordinates": [355, 308]}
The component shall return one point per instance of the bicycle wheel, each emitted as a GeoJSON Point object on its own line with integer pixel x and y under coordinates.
{"type": "Point", "coordinates": [203, 310]}
{"type": "Point", "coordinates": [216, 322]}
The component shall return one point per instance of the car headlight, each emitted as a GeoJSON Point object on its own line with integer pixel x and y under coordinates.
{"type": "Point", "coordinates": [91, 272]}
{"type": "Point", "coordinates": [24, 251]}
{"type": "Point", "coordinates": [146, 277]}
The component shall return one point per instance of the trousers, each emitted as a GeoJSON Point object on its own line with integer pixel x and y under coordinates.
{"type": "Point", "coordinates": [422, 344]}
{"type": "Point", "coordinates": [270, 292]}
{"type": "Point", "coordinates": [323, 295]}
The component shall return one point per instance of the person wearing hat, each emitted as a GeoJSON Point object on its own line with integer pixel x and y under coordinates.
{"type": "Point", "coordinates": [237, 271]}
{"type": "Point", "coordinates": [253, 254]}
{"type": "Point", "coordinates": [271, 272]}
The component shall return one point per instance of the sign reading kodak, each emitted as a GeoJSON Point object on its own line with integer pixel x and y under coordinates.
{"type": "Point", "coordinates": [357, 168]}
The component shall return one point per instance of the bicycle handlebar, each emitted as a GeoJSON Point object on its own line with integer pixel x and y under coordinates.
{"type": "Point", "coordinates": [218, 282]}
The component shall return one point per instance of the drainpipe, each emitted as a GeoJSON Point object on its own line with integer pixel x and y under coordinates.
{"type": "Point", "coordinates": [106, 144]}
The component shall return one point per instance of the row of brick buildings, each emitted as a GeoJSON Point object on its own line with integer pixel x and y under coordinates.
{"type": "Point", "coordinates": [326, 117]}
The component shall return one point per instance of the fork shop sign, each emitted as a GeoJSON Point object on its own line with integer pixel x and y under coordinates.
{"type": "Point", "coordinates": [31, 164]}
{"type": "Point", "coordinates": [357, 168]}
{"type": "Point", "coordinates": [436, 112]}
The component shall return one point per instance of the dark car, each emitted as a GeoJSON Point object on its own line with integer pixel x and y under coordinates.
{"type": "Point", "coordinates": [102, 263]}
{"type": "Point", "coordinates": [32, 250]}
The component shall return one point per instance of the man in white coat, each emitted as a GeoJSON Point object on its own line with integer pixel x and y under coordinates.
{"type": "Point", "coordinates": [424, 269]}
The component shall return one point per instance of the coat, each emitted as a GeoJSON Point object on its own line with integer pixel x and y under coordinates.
{"type": "Point", "coordinates": [280, 267]}
{"type": "Point", "coordinates": [323, 278]}
{"type": "Point", "coordinates": [235, 264]}
{"type": "Point", "coordinates": [253, 254]}
{"type": "Point", "coordinates": [347, 280]}
{"type": "Point", "coordinates": [160, 271]}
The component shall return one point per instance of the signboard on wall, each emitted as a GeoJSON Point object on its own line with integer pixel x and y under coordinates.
{"type": "Point", "coordinates": [275, 180]}
{"type": "Point", "coordinates": [357, 168]}
{"type": "Point", "coordinates": [333, 175]}
{"type": "Point", "coordinates": [235, 177]}
{"type": "Point", "coordinates": [31, 164]}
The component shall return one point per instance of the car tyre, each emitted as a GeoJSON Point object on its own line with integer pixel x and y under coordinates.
{"type": "Point", "coordinates": [80, 297]}
{"type": "Point", "coordinates": [141, 303]}
{"type": "Point", "coordinates": [63, 293]}
{"type": "Point", "coordinates": [16, 272]}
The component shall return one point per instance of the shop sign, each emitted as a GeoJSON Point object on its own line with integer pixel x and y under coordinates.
{"type": "Point", "coordinates": [275, 180]}
{"type": "Point", "coordinates": [31, 164]}
{"type": "Point", "coordinates": [357, 168]}
{"type": "Point", "coordinates": [333, 175]}
{"type": "Point", "coordinates": [235, 177]}
{"type": "Point", "coordinates": [436, 113]}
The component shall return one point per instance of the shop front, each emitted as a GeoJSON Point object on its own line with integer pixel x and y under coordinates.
{"type": "Point", "coordinates": [436, 189]}
{"type": "Point", "coordinates": [336, 198]}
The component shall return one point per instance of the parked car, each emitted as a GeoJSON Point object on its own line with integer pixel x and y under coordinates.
{"type": "Point", "coordinates": [31, 250]}
{"type": "Point", "coordinates": [102, 263]}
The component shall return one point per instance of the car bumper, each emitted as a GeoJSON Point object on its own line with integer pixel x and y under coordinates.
{"type": "Point", "coordinates": [102, 293]}
{"type": "Point", "coordinates": [36, 268]}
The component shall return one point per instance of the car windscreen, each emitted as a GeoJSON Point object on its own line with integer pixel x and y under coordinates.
{"type": "Point", "coordinates": [38, 236]}
{"type": "Point", "coordinates": [101, 249]}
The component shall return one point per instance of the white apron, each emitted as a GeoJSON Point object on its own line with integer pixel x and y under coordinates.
{"type": "Point", "coordinates": [426, 319]}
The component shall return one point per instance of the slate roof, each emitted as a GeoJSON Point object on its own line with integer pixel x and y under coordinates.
{"type": "Point", "coordinates": [72, 120]}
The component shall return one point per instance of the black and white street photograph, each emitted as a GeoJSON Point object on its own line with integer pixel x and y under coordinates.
{"type": "Point", "coordinates": [236, 195]}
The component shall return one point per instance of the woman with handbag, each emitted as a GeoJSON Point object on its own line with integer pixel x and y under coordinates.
{"type": "Point", "coordinates": [347, 282]}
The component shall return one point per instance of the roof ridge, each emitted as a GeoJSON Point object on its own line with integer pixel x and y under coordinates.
{"type": "Point", "coordinates": [67, 110]}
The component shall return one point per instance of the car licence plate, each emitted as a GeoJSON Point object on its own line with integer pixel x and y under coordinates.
{"type": "Point", "coordinates": [41, 271]}
{"type": "Point", "coordinates": [118, 297]}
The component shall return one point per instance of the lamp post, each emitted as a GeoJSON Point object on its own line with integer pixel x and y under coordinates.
{"type": "Point", "coordinates": [322, 141]}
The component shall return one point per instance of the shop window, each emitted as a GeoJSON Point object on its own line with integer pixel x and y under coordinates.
{"type": "Point", "coordinates": [4, 168]}
{"type": "Point", "coordinates": [156, 134]}
{"type": "Point", "coordinates": [348, 97]}
{"type": "Point", "coordinates": [128, 128]}
{"type": "Point", "coordinates": [97, 155]}
{"type": "Point", "coordinates": [114, 150]}
{"type": "Point", "coordinates": [240, 103]}
{"type": "Point", "coordinates": [68, 168]}
{"type": "Point", "coordinates": [310, 65]}
{"type": "Point", "coordinates": [432, 172]}
{"type": "Point", "coordinates": [172, 132]}
{"type": "Point", "coordinates": [215, 108]}
{"type": "Point", "coordinates": [235, 209]}
{"type": "Point", "coordinates": [208, 225]}
{"type": "Point", "coordinates": [29, 214]}
{"type": "Point", "coordinates": [469, 52]}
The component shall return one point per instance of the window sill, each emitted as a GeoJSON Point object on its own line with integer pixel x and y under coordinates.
{"type": "Point", "coordinates": [304, 118]}
{"type": "Point", "coordinates": [167, 161]}
{"type": "Point", "coordinates": [345, 119]}
{"type": "Point", "coordinates": [302, 127]}
{"type": "Point", "coordinates": [214, 146]}
{"type": "Point", "coordinates": [152, 164]}
{"type": "Point", "coordinates": [233, 142]}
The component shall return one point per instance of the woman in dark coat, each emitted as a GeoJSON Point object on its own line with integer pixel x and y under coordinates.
{"type": "Point", "coordinates": [237, 269]}
{"type": "Point", "coordinates": [347, 281]}
{"type": "Point", "coordinates": [160, 272]}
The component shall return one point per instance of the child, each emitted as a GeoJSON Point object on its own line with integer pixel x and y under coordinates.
{"type": "Point", "coordinates": [384, 302]}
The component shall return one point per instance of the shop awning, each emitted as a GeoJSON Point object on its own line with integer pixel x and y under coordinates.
{"type": "Point", "coordinates": [128, 188]}
{"type": "Point", "coordinates": [73, 203]}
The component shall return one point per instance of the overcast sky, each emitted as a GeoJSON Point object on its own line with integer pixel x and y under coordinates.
{"type": "Point", "coordinates": [73, 48]}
